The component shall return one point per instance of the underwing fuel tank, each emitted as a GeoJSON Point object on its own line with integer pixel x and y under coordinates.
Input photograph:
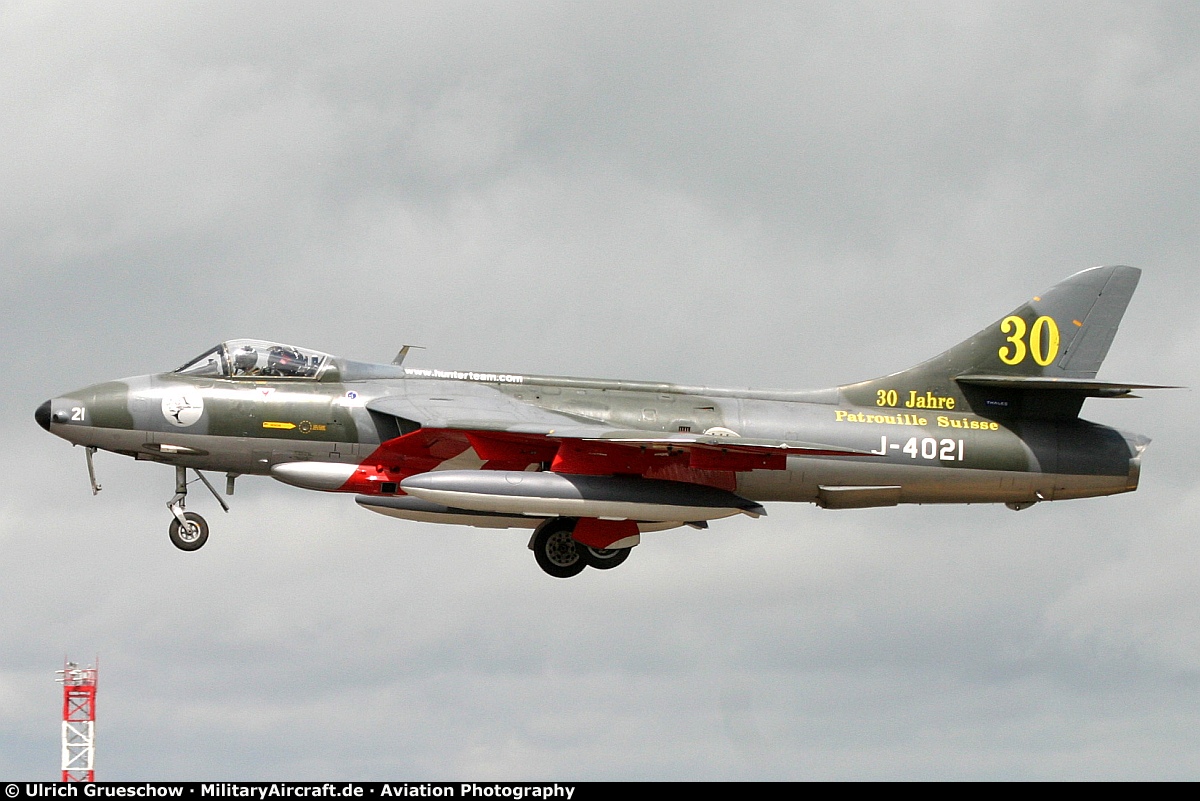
{"type": "Point", "coordinates": [326, 476]}
{"type": "Point", "coordinates": [406, 507]}
{"type": "Point", "coordinates": [565, 495]}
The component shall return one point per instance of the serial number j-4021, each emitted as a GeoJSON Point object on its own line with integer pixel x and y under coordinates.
{"type": "Point", "coordinates": [930, 448]}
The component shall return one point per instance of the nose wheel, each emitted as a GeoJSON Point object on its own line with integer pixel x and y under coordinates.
{"type": "Point", "coordinates": [191, 534]}
{"type": "Point", "coordinates": [189, 531]}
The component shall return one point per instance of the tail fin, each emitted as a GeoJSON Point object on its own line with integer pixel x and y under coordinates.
{"type": "Point", "coordinates": [1038, 361]}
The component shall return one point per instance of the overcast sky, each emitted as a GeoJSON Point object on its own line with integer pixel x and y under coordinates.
{"type": "Point", "coordinates": [786, 195]}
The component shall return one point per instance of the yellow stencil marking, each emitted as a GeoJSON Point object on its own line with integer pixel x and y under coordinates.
{"type": "Point", "coordinates": [1044, 332]}
{"type": "Point", "coordinates": [1043, 340]}
{"type": "Point", "coordinates": [1015, 327]}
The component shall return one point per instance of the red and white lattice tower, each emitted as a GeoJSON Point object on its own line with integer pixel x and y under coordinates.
{"type": "Point", "coordinates": [78, 722]}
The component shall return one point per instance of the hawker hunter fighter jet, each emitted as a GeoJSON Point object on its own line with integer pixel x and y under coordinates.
{"type": "Point", "coordinates": [591, 465]}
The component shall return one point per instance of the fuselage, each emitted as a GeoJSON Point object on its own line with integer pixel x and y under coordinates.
{"type": "Point", "coordinates": [593, 464]}
{"type": "Point", "coordinates": [917, 451]}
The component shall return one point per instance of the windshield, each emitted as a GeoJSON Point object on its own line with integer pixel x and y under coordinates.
{"type": "Point", "coordinates": [252, 358]}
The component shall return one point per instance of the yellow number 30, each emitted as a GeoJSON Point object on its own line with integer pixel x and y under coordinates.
{"type": "Point", "coordinates": [1043, 340]}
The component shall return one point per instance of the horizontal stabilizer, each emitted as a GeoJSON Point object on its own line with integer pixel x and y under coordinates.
{"type": "Point", "coordinates": [1088, 387]}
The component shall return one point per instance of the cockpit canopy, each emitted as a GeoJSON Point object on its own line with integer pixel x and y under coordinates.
{"type": "Point", "coordinates": [253, 358]}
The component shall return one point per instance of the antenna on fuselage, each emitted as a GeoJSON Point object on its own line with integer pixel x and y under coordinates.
{"type": "Point", "coordinates": [399, 360]}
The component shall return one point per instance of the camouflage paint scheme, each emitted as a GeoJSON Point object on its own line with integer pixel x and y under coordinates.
{"type": "Point", "coordinates": [994, 419]}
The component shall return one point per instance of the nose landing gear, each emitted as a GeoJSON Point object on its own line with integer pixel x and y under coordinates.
{"type": "Point", "coordinates": [189, 531]}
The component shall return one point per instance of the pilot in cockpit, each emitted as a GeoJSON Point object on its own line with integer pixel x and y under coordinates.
{"type": "Point", "coordinates": [245, 361]}
{"type": "Point", "coordinates": [252, 358]}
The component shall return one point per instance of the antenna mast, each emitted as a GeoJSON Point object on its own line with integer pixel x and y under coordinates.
{"type": "Point", "coordinates": [78, 722]}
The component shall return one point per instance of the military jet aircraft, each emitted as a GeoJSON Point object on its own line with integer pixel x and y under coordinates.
{"type": "Point", "coordinates": [591, 465]}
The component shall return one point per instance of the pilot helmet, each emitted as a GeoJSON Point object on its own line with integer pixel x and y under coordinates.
{"type": "Point", "coordinates": [245, 359]}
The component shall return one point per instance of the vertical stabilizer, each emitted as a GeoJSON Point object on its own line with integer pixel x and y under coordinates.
{"type": "Point", "coordinates": [1063, 333]}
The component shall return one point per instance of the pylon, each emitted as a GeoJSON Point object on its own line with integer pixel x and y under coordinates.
{"type": "Point", "coordinates": [78, 722]}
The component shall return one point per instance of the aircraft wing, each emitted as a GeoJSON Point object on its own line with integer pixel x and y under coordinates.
{"type": "Point", "coordinates": [726, 444]}
{"type": "Point", "coordinates": [510, 435]}
{"type": "Point", "coordinates": [469, 408]}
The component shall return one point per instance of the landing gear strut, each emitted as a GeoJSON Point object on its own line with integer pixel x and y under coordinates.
{"type": "Point", "coordinates": [558, 553]}
{"type": "Point", "coordinates": [189, 531]}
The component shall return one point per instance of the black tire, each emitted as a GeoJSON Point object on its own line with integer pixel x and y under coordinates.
{"type": "Point", "coordinates": [604, 558]}
{"type": "Point", "coordinates": [193, 537]}
{"type": "Point", "coordinates": [555, 549]}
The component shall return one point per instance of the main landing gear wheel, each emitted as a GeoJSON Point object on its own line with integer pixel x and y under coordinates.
{"type": "Point", "coordinates": [555, 549]}
{"type": "Point", "coordinates": [604, 558]}
{"type": "Point", "coordinates": [189, 536]}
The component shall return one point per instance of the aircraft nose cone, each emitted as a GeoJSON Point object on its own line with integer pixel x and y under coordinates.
{"type": "Point", "coordinates": [42, 415]}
